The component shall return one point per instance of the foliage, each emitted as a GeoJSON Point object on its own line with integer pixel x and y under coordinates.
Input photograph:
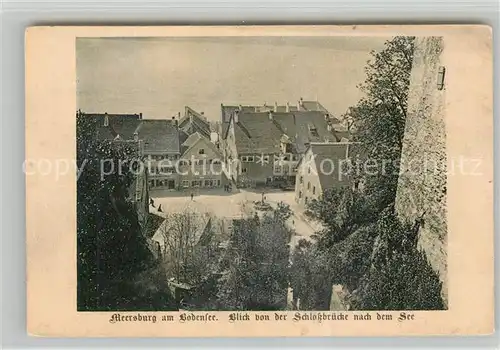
{"type": "Point", "coordinates": [310, 277]}
{"type": "Point", "coordinates": [378, 119]}
{"type": "Point", "coordinates": [255, 271]}
{"type": "Point", "coordinates": [112, 253]}
{"type": "Point", "coordinates": [283, 212]}
{"type": "Point", "coordinates": [188, 246]}
{"type": "Point", "coordinates": [342, 211]}
{"type": "Point", "coordinates": [400, 278]}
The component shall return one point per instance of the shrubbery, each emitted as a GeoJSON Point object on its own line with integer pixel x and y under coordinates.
{"type": "Point", "coordinates": [115, 268]}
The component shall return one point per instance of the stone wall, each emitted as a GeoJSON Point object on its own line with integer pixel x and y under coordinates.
{"type": "Point", "coordinates": [422, 183]}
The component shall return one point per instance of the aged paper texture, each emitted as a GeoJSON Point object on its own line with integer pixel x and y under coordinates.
{"type": "Point", "coordinates": [259, 181]}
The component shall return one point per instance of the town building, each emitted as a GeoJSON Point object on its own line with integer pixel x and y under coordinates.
{"type": "Point", "coordinates": [159, 143]}
{"type": "Point", "coordinates": [193, 121]}
{"type": "Point", "coordinates": [200, 165]}
{"type": "Point", "coordinates": [322, 167]}
{"type": "Point", "coordinates": [263, 144]}
{"type": "Point", "coordinates": [115, 126]}
{"type": "Point", "coordinates": [161, 151]}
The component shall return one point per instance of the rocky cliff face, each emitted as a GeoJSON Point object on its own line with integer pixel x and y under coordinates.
{"type": "Point", "coordinates": [422, 183]}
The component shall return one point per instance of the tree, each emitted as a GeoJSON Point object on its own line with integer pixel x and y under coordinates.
{"type": "Point", "coordinates": [379, 118]}
{"type": "Point", "coordinates": [399, 276]}
{"type": "Point", "coordinates": [187, 245]}
{"type": "Point", "coordinates": [342, 211]}
{"type": "Point", "coordinates": [310, 277]}
{"type": "Point", "coordinates": [115, 268]}
{"type": "Point", "coordinates": [255, 271]}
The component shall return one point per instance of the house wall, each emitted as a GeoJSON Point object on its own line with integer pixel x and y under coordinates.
{"type": "Point", "coordinates": [161, 170]}
{"type": "Point", "coordinates": [307, 184]}
{"type": "Point", "coordinates": [141, 197]}
{"type": "Point", "coordinates": [231, 154]}
{"type": "Point", "coordinates": [253, 170]}
{"type": "Point", "coordinates": [208, 172]}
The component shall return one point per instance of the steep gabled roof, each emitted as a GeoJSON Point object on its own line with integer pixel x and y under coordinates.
{"type": "Point", "coordinates": [194, 122]}
{"type": "Point", "coordinates": [159, 135]}
{"type": "Point", "coordinates": [123, 125]}
{"type": "Point", "coordinates": [256, 133]}
{"type": "Point", "coordinates": [327, 155]}
{"type": "Point", "coordinates": [193, 139]}
{"type": "Point", "coordinates": [304, 127]}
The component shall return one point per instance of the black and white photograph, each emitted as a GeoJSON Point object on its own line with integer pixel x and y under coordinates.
{"type": "Point", "coordinates": [266, 173]}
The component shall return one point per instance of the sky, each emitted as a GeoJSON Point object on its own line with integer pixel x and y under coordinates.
{"type": "Point", "coordinates": [159, 76]}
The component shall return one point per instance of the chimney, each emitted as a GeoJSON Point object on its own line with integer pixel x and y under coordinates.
{"type": "Point", "coordinates": [275, 106]}
{"type": "Point", "coordinates": [240, 107]}
{"type": "Point", "coordinates": [179, 115]}
{"type": "Point", "coordinates": [140, 115]}
{"type": "Point", "coordinates": [287, 107]}
{"type": "Point", "coordinates": [236, 116]}
{"type": "Point", "coordinates": [106, 119]}
{"type": "Point", "coordinates": [270, 115]}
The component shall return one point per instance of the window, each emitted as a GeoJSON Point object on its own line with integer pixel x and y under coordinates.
{"type": "Point", "coordinates": [244, 170]}
{"type": "Point", "coordinates": [151, 183]}
{"type": "Point", "coordinates": [248, 159]}
{"type": "Point", "coordinates": [309, 170]}
{"type": "Point", "coordinates": [218, 183]}
{"type": "Point", "coordinates": [185, 183]}
{"type": "Point", "coordinates": [314, 189]}
{"type": "Point", "coordinates": [266, 158]}
{"type": "Point", "coordinates": [308, 186]}
{"type": "Point", "coordinates": [201, 151]}
{"type": "Point", "coordinates": [300, 194]}
{"type": "Point", "coordinates": [301, 179]}
{"type": "Point", "coordinates": [306, 200]}
{"type": "Point", "coordinates": [208, 183]}
{"type": "Point", "coordinates": [166, 170]}
{"type": "Point", "coordinates": [216, 161]}
{"type": "Point", "coordinates": [196, 183]}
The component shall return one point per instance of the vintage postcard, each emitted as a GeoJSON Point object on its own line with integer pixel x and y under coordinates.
{"type": "Point", "coordinates": [259, 181]}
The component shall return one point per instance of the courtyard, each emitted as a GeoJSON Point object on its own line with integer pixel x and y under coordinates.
{"type": "Point", "coordinates": [234, 204]}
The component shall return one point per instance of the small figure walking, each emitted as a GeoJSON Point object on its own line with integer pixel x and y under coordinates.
{"type": "Point", "coordinates": [152, 202]}
{"type": "Point", "coordinates": [192, 195]}
{"type": "Point", "coordinates": [160, 209]}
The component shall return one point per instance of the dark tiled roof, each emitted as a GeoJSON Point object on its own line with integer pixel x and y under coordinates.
{"type": "Point", "coordinates": [335, 152]}
{"type": "Point", "coordinates": [313, 106]}
{"type": "Point", "coordinates": [304, 127]}
{"type": "Point", "coordinates": [159, 135]}
{"type": "Point", "coordinates": [183, 136]}
{"type": "Point", "coordinates": [307, 106]}
{"type": "Point", "coordinates": [192, 139]}
{"type": "Point", "coordinates": [194, 122]}
{"type": "Point", "coordinates": [256, 133]}
{"type": "Point", "coordinates": [119, 124]}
